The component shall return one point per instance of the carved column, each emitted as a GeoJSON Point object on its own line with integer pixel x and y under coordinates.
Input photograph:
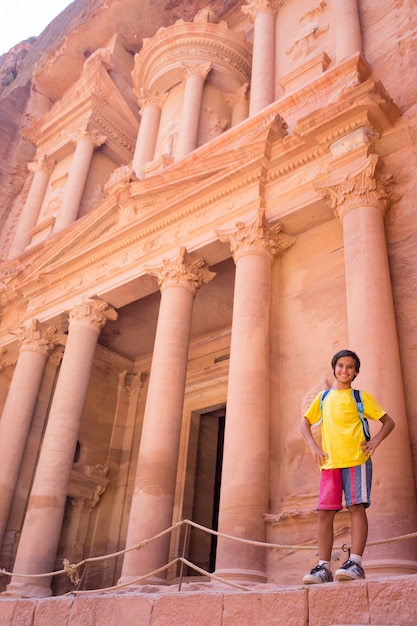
{"type": "Point", "coordinates": [130, 390]}
{"type": "Point", "coordinates": [72, 543]}
{"type": "Point", "coordinates": [240, 104]}
{"type": "Point", "coordinates": [148, 131]}
{"type": "Point", "coordinates": [244, 497]}
{"type": "Point", "coordinates": [42, 525]}
{"type": "Point", "coordinates": [86, 142]}
{"type": "Point", "coordinates": [41, 168]}
{"type": "Point", "coordinates": [195, 76]}
{"type": "Point", "coordinates": [360, 200]}
{"type": "Point", "coordinates": [31, 453]}
{"type": "Point", "coordinates": [262, 13]}
{"type": "Point", "coordinates": [348, 36]}
{"type": "Point", "coordinates": [36, 343]}
{"type": "Point", "coordinates": [4, 363]}
{"type": "Point", "coordinates": [153, 498]}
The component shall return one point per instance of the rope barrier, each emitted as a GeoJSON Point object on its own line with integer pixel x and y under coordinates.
{"type": "Point", "coordinates": [304, 546]}
{"type": "Point", "coordinates": [128, 583]}
{"type": "Point", "coordinates": [71, 569]}
{"type": "Point", "coordinates": [136, 581]}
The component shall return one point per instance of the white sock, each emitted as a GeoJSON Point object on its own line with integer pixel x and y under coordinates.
{"type": "Point", "coordinates": [325, 563]}
{"type": "Point", "coordinates": [356, 557]}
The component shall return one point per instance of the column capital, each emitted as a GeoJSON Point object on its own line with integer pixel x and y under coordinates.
{"type": "Point", "coordinates": [129, 382]}
{"type": "Point", "coordinates": [36, 337]}
{"type": "Point", "coordinates": [92, 313]}
{"type": "Point", "coordinates": [42, 162]}
{"type": "Point", "coordinates": [195, 69]}
{"type": "Point", "coordinates": [146, 99]}
{"type": "Point", "coordinates": [184, 271]}
{"type": "Point", "coordinates": [256, 237]}
{"type": "Point", "coordinates": [364, 186]}
{"type": "Point", "coordinates": [253, 7]}
{"type": "Point", "coordinates": [92, 135]}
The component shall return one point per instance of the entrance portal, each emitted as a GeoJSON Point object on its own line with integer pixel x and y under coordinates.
{"type": "Point", "coordinates": [202, 488]}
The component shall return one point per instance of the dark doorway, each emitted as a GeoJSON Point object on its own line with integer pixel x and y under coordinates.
{"type": "Point", "coordinates": [203, 482]}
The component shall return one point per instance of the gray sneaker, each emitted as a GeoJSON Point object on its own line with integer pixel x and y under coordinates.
{"type": "Point", "coordinates": [319, 574]}
{"type": "Point", "coordinates": [350, 570]}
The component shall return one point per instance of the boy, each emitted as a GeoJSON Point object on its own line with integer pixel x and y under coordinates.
{"type": "Point", "coordinates": [345, 462]}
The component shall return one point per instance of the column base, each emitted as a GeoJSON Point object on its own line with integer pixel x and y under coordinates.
{"type": "Point", "coordinates": [24, 590]}
{"type": "Point", "coordinates": [383, 567]}
{"type": "Point", "coordinates": [146, 580]}
{"type": "Point", "coordinates": [242, 576]}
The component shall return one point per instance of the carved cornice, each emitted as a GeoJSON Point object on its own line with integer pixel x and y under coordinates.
{"type": "Point", "coordinates": [121, 140]}
{"type": "Point", "coordinates": [158, 66]}
{"type": "Point", "coordinates": [358, 104]}
{"type": "Point", "coordinates": [183, 271]}
{"type": "Point", "coordinates": [363, 112]}
{"type": "Point", "coordinates": [256, 237]}
{"type": "Point", "coordinates": [208, 380]}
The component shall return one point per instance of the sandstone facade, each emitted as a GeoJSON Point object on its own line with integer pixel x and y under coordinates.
{"type": "Point", "coordinates": [201, 204]}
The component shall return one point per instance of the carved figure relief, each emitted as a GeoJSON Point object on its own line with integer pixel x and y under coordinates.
{"type": "Point", "coordinates": [212, 125]}
{"type": "Point", "coordinates": [55, 199]}
{"type": "Point", "coordinates": [310, 30]}
{"type": "Point", "coordinates": [168, 140]}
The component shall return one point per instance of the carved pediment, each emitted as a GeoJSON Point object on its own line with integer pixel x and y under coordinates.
{"type": "Point", "coordinates": [130, 203]}
{"type": "Point", "coordinates": [93, 102]}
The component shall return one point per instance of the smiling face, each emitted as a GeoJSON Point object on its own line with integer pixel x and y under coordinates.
{"type": "Point", "coordinates": [345, 371]}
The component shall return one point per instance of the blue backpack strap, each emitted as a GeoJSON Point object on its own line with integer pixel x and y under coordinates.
{"type": "Point", "coordinates": [324, 394]}
{"type": "Point", "coordinates": [357, 396]}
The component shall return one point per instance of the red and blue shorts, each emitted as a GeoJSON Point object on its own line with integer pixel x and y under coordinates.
{"type": "Point", "coordinates": [354, 482]}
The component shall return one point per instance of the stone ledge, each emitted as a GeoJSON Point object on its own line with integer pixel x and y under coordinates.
{"type": "Point", "coordinates": [382, 602]}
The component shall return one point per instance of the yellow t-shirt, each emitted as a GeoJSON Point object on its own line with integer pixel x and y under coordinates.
{"type": "Point", "coordinates": [341, 428]}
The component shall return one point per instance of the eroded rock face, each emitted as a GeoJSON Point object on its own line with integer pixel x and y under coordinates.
{"type": "Point", "coordinates": [11, 62]}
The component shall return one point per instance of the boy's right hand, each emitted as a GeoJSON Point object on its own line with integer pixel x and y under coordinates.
{"type": "Point", "coordinates": [319, 455]}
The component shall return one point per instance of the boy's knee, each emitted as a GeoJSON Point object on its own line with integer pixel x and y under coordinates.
{"type": "Point", "coordinates": [356, 507]}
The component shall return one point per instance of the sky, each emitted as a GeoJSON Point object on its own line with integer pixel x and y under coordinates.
{"type": "Point", "coordinates": [22, 19]}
